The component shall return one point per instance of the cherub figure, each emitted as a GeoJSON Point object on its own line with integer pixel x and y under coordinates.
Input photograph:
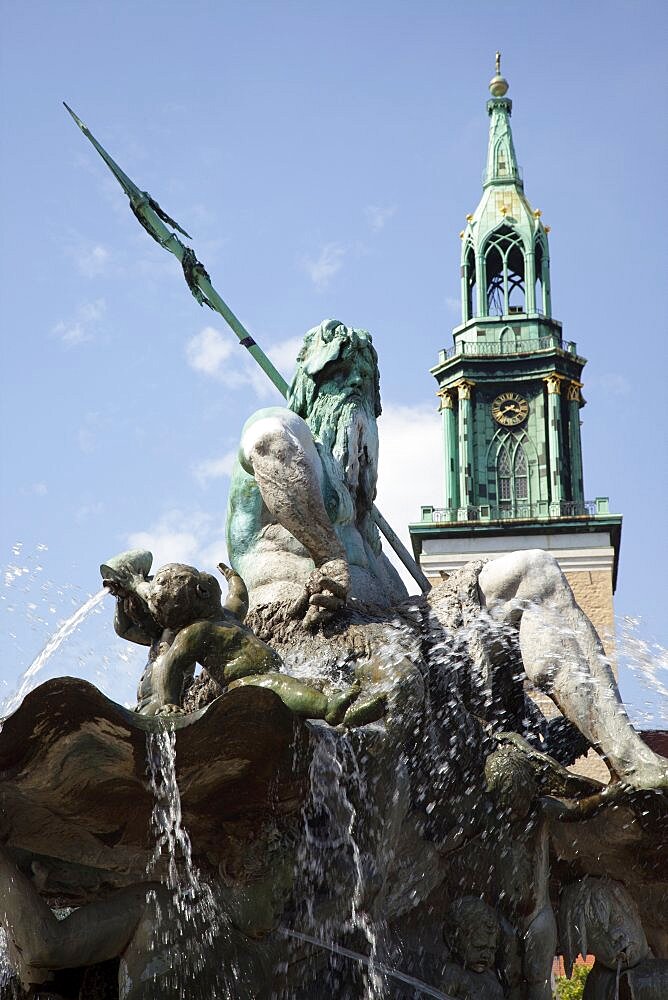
{"type": "Point", "coordinates": [179, 614]}
{"type": "Point", "coordinates": [472, 933]}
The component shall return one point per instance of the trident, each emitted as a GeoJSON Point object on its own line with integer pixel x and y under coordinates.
{"type": "Point", "coordinates": [155, 221]}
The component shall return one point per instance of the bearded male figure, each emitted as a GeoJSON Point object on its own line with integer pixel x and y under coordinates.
{"type": "Point", "coordinates": [301, 534]}
{"type": "Point", "coordinates": [300, 529]}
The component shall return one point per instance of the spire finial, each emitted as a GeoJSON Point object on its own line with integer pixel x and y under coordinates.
{"type": "Point", "coordinates": [497, 85]}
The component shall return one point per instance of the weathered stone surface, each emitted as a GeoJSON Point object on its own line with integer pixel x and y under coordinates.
{"type": "Point", "coordinates": [75, 804]}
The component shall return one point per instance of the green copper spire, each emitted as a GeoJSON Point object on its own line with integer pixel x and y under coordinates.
{"type": "Point", "coordinates": [509, 387]}
{"type": "Point", "coordinates": [502, 166]}
{"type": "Point", "coordinates": [505, 266]}
{"type": "Point", "coordinates": [510, 393]}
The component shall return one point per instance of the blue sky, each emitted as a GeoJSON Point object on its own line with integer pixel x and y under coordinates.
{"type": "Point", "coordinates": [323, 156]}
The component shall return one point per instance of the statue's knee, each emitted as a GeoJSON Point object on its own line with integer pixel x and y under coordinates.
{"type": "Point", "coordinates": [541, 575]}
{"type": "Point", "coordinates": [266, 440]}
{"type": "Point", "coordinates": [275, 435]}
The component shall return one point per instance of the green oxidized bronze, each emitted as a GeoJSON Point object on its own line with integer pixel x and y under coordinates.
{"type": "Point", "coordinates": [179, 614]}
{"type": "Point", "coordinates": [153, 219]}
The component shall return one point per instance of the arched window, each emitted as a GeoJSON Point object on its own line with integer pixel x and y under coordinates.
{"type": "Point", "coordinates": [468, 271]}
{"type": "Point", "coordinates": [512, 474]}
{"type": "Point", "coordinates": [540, 258]}
{"type": "Point", "coordinates": [509, 340]}
{"type": "Point", "coordinates": [504, 472]}
{"type": "Point", "coordinates": [504, 272]}
{"type": "Point", "coordinates": [520, 474]}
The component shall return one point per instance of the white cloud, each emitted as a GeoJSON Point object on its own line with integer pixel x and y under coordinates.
{"type": "Point", "coordinates": [39, 489]}
{"type": "Point", "coordinates": [217, 355]}
{"type": "Point", "coordinates": [284, 355]}
{"type": "Point", "coordinates": [194, 537]}
{"type": "Point", "coordinates": [328, 263]}
{"type": "Point", "coordinates": [93, 261]}
{"type": "Point", "coordinates": [92, 509]}
{"type": "Point", "coordinates": [411, 470]}
{"type": "Point", "coordinates": [377, 216]}
{"type": "Point", "coordinates": [83, 326]}
{"type": "Point", "coordinates": [214, 468]}
{"type": "Point", "coordinates": [208, 351]}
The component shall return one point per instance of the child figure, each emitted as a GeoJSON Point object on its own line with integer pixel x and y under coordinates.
{"type": "Point", "coordinates": [472, 932]}
{"type": "Point", "coordinates": [179, 614]}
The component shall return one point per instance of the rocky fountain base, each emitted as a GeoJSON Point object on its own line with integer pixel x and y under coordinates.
{"type": "Point", "coordinates": [233, 848]}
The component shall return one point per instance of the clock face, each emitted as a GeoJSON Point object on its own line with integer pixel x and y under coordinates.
{"type": "Point", "coordinates": [510, 409]}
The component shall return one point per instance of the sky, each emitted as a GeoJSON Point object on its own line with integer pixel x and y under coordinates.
{"type": "Point", "coordinates": [324, 157]}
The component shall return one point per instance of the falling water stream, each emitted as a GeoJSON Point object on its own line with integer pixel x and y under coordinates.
{"type": "Point", "coordinates": [29, 678]}
{"type": "Point", "coordinates": [194, 927]}
{"type": "Point", "coordinates": [195, 924]}
{"type": "Point", "coordinates": [331, 849]}
{"type": "Point", "coordinates": [401, 977]}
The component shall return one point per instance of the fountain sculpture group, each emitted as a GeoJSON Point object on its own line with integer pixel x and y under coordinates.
{"type": "Point", "coordinates": [328, 785]}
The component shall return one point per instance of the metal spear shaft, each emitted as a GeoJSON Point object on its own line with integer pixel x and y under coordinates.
{"type": "Point", "coordinates": [153, 219]}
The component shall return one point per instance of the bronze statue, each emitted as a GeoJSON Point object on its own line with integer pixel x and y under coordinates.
{"type": "Point", "coordinates": [472, 933]}
{"type": "Point", "coordinates": [598, 917]}
{"type": "Point", "coordinates": [179, 613]}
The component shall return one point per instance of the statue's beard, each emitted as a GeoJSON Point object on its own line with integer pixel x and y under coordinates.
{"type": "Point", "coordinates": [349, 433]}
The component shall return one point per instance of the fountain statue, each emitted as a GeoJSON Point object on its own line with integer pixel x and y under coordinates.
{"type": "Point", "coordinates": [325, 780]}
{"type": "Point", "coordinates": [327, 784]}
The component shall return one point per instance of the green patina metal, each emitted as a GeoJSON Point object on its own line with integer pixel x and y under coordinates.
{"type": "Point", "coordinates": [508, 342]}
{"type": "Point", "coordinates": [153, 219]}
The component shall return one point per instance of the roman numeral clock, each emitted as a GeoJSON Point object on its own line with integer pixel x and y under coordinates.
{"type": "Point", "coordinates": [510, 409]}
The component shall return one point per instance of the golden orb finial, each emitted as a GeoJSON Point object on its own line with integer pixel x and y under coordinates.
{"type": "Point", "coordinates": [498, 86]}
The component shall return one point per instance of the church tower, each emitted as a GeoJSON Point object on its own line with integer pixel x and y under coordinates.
{"type": "Point", "coordinates": [510, 391]}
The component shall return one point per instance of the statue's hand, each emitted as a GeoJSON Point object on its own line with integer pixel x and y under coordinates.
{"type": "Point", "coordinates": [134, 608]}
{"type": "Point", "coordinates": [327, 589]}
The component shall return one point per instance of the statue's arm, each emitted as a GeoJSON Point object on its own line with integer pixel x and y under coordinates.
{"type": "Point", "coordinates": [133, 623]}
{"type": "Point", "coordinates": [236, 652]}
{"type": "Point", "coordinates": [172, 668]}
{"type": "Point", "coordinates": [227, 652]}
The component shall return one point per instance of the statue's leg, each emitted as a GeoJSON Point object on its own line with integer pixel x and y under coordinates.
{"type": "Point", "coordinates": [93, 933]}
{"type": "Point", "coordinates": [563, 657]}
{"type": "Point", "coordinates": [277, 449]}
{"type": "Point", "coordinates": [540, 946]}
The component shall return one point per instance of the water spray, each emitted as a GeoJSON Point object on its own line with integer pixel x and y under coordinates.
{"type": "Point", "coordinates": [356, 956]}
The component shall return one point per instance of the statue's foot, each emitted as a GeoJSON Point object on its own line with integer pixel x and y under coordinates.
{"type": "Point", "coordinates": [339, 703]}
{"type": "Point", "coordinates": [361, 713]}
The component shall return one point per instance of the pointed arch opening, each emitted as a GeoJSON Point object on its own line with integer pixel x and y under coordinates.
{"type": "Point", "coordinates": [509, 340]}
{"type": "Point", "coordinates": [469, 276]}
{"type": "Point", "coordinates": [504, 475]}
{"type": "Point", "coordinates": [505, 272]}
{"type": "Point", "coordinates": [542, 276]}
{"type": "Point", "coordinates": [512, 472]}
